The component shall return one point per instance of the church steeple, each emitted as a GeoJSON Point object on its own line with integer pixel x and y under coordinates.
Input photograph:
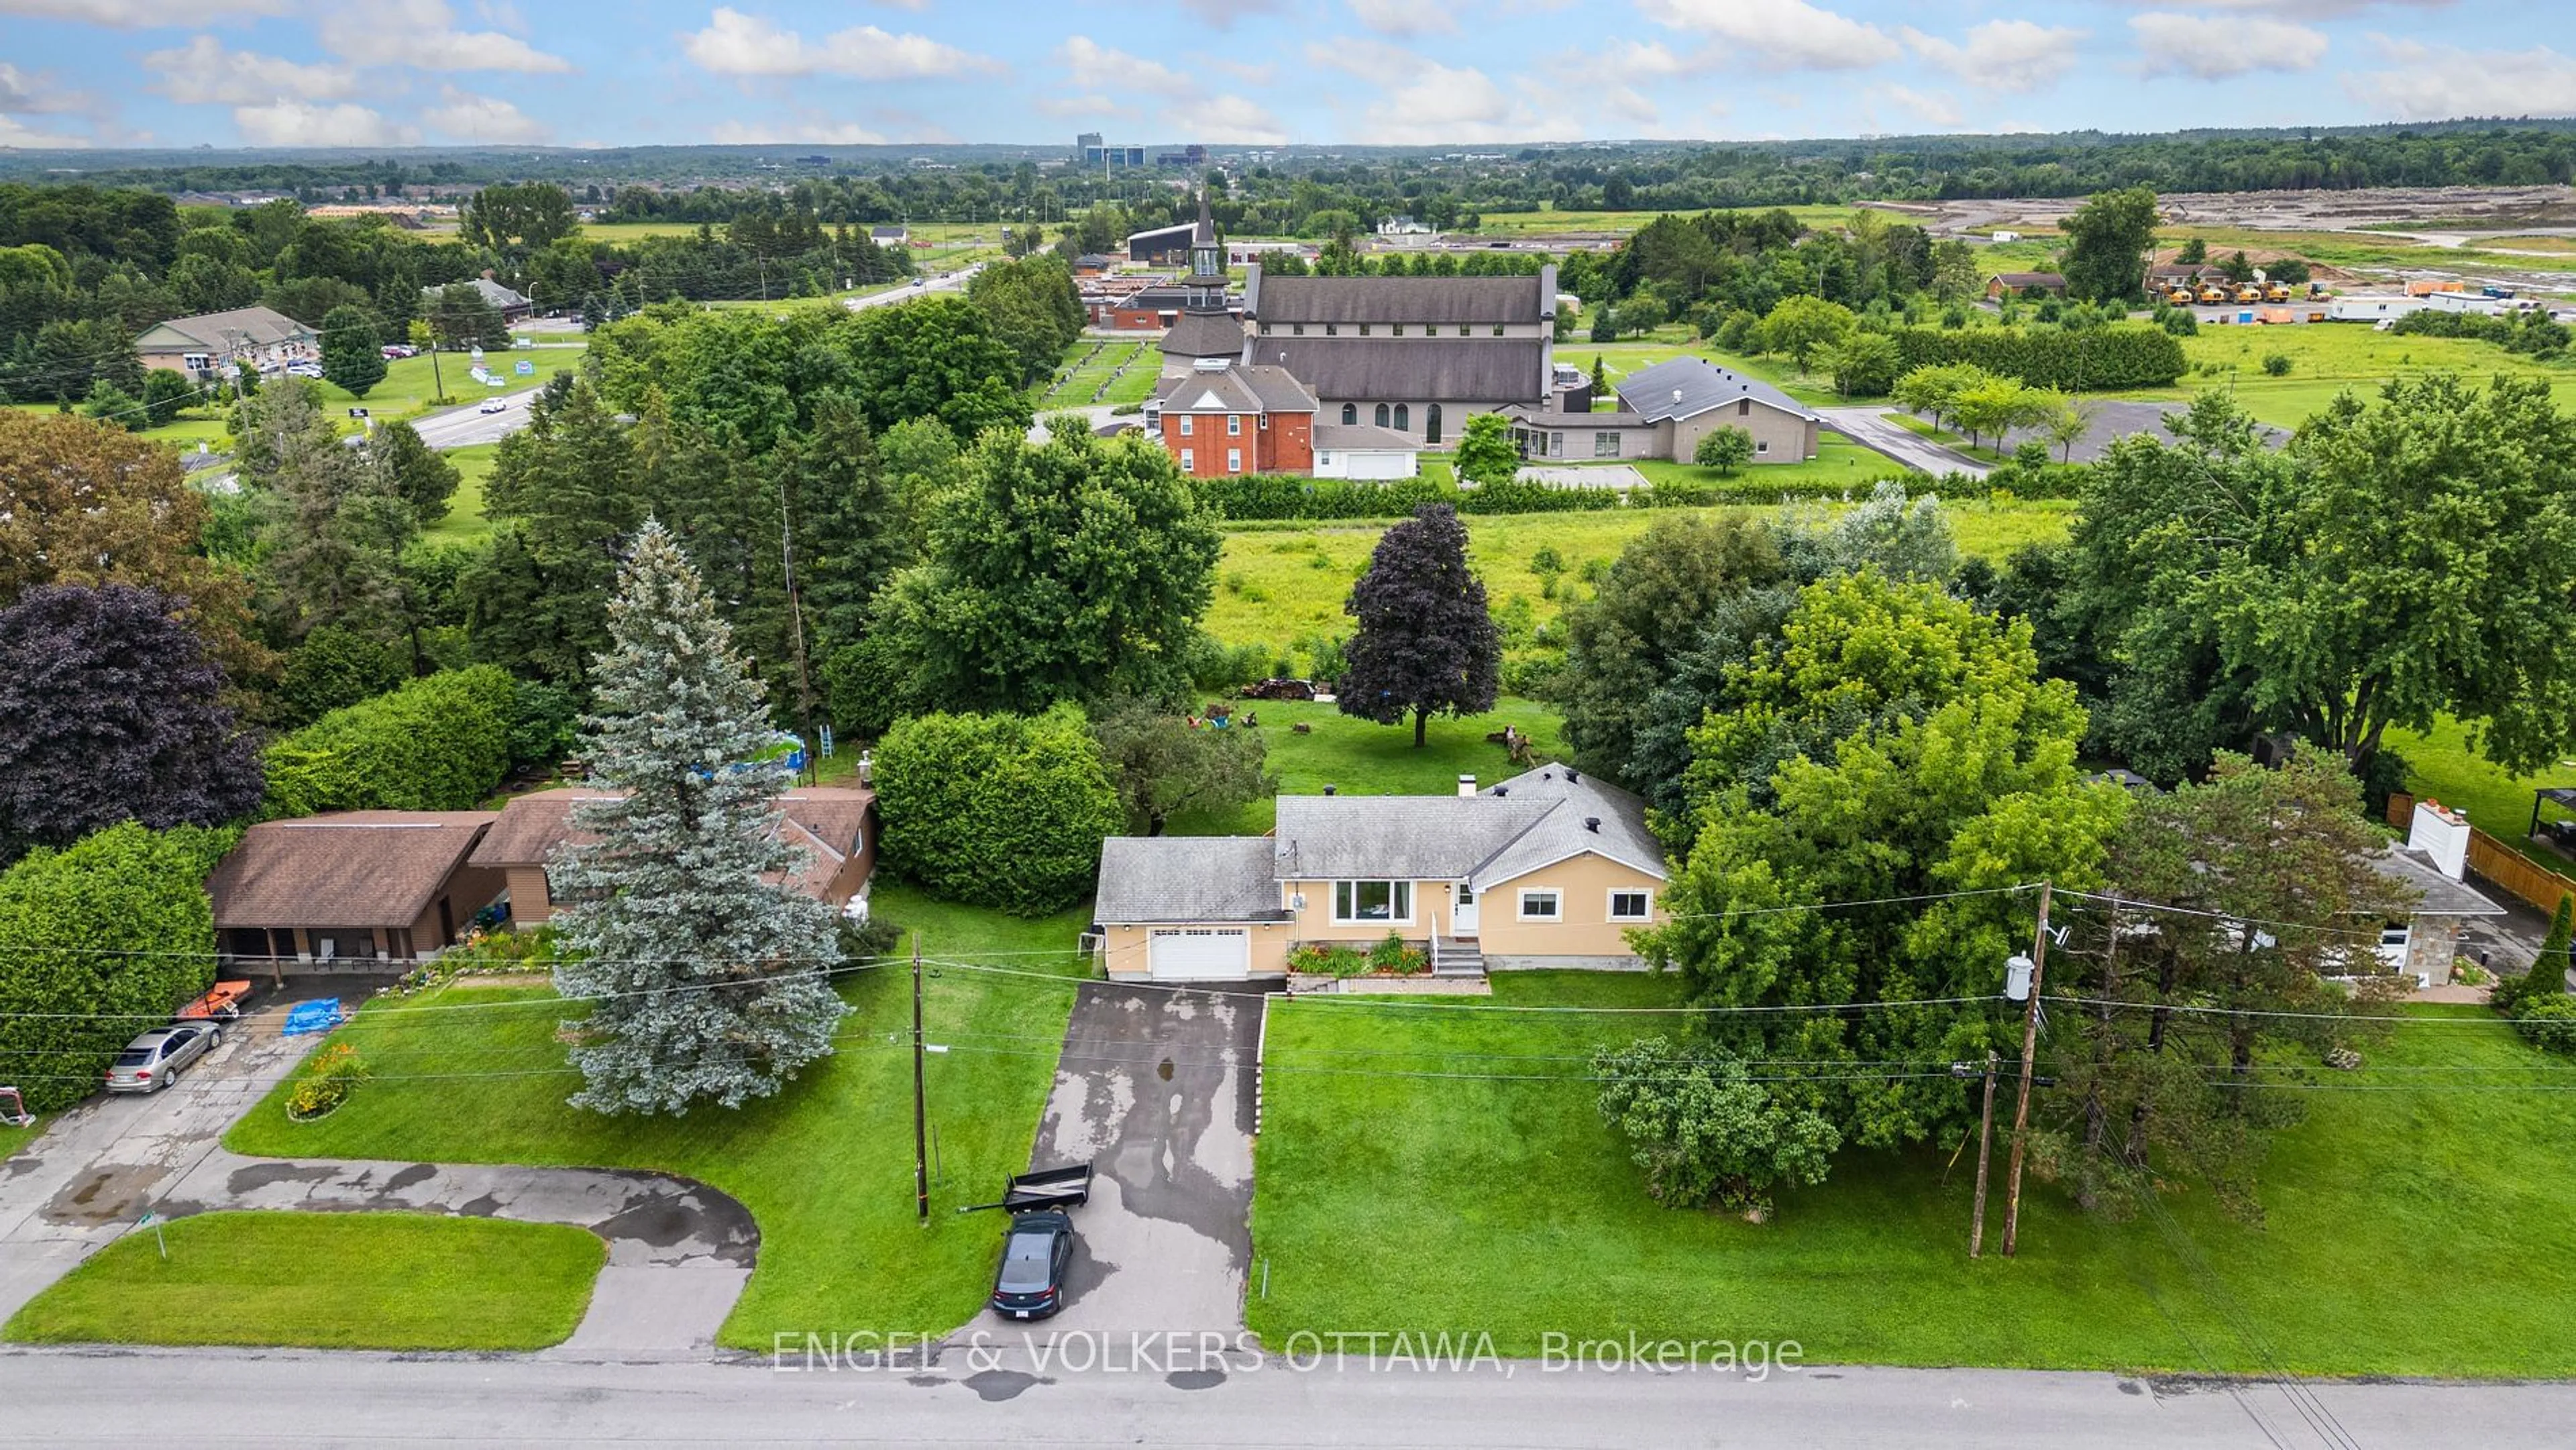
{"type": "Point", "coordinates": [1207, 259]}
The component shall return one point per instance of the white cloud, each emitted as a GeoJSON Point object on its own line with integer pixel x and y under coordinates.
{"type": "Point", "coordinates": [32, 93]}
{"type": "Point", "coordinates": [1932, 108]}
{"type": "Point", "coordinates": [141, 14]}
{"type": "Point", "coordinates": [423, 34]}
{"type": "Point", "coordinates": [1612, 78]}
{"type": "Point", "coordinates": [736, 44]}
{"type": "Point", "coordinates": [297, 123]}
{"type": "Point", "coordinates": [13, 133]}
{"type": "Point", "coordinates": [1404, 17]}
{"type": "Point", "coordinates": [465, 116]}
{"type": "Point", "coordinates": [1783, 32]}
{"type": "Point", "coordinates": [796, 133]}
{"type": "Point", "coordinates": [2002, 55]}
{"type": "Point", "coordinates": [1096, 67]}
{"type": "Point", "coordinates": [203, 72]}
{"type": "Point", "coordinates": [2438, 82]}
{"type": "Point", "coordinates": [2302, 9]}
{"type": "Point", "coordinates": [2215, 47]}
{"type": "Point", "coordinates": [1223, 13]}
{"type": "Point", "coordinates": [1421, 102]}
{"type": "Point", "coordinates": [1079, 106]}
{"type": "Point", "coordinates": [1232, 121]}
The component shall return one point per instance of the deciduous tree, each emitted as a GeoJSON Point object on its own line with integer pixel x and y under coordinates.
{"type": "Point", "coordinates": [352, 354]}
{"type": "Point", "coordinates": [1426, 642]}
{"type": "Point", "coordinates": [2107, 242]}
{"type": "Point", "coordinates": [1162, 765]}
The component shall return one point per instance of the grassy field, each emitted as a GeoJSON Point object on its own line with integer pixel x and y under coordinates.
{"type": "Point", "coordinates": [1618, 359]}
{"type": "Point", "coordinates": [465, 522]}
{"type": "Point", "coordinates": [13, 1139]}
{"type": "Point", "coordinates": [326, 1281]}
{"type": "Point", "coordinates": [1275, 583]}
{"type": "Point", "coordinates": [825, 1167]}
{"type": "Point", "coordinates": [1924, 427]}
{"type": "Point", "coordinates": [1127, 369]}
{"type": "Point", "coordinates": [1359, 757]}
{"type": "Point", "coordinates": [1514, 223]}
{"type": "Point", "coordinates": [2330, 358]}
{"type": "Point", "coordinates": [2442, 765]}
{"type": "Point", "coordinates": [2395, 1241]}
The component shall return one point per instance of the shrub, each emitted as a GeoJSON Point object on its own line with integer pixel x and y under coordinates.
{"type": "Point", "coordinates": [441, 743]}
{"type": "Point", "coordinates": [996, 810]}
{"type": "Point", "coordinates": [1334, 959]}
{"type": "Point", "coordinates": [333, 668]}
{"type": "Point", "coordinates": [2549, 1022]}
{"type": "Point", "coordinates": [2127, 355]}
{"type": "Point", "coordinates": [1724, 449]}
{"type": "Point", "coordinates": [108, 933]}
{"type": "Point", "coordinates": [1704, 1131]}
{"type": "Point", "coordinates": [2276, 364]}
{"type": "Point", "coordinates": [326, 1082]}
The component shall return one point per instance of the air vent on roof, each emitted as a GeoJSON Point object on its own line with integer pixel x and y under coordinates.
{"type": "Point", "coordinates": [1211, 364]}
{"type": "Point", "coordinates": [1501, 791]}
{"type": "Point", "coordinates": [1571, 778]}
{"type": "Point", "coordinates": [1328, 790]}
{"type": "Point", "coordinates": [1592, 824]}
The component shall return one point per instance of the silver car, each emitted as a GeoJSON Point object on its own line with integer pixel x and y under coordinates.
{"type": "Point", "coordinates": [154, 1060]}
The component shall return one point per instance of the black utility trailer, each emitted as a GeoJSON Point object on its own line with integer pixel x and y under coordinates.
{"type": "Point", "coordinates": [1057, 1188]}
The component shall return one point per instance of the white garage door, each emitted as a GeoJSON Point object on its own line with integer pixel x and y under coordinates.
{"type": "Point", "coordinates": [1199, 953]}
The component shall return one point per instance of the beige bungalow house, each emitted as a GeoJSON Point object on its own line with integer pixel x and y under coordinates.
{"type": "Point", "coordinates": [835, 826]}
{"type": "Point", "coordinates": [1548, 869]}
{"type": "Point", "coordinates": [205, 347]}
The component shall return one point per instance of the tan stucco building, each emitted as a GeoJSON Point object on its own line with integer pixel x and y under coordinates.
{"type": "Point", "coordinates": [1665, 410]}
{"type": "Point", "coordinates": [1548, 869]}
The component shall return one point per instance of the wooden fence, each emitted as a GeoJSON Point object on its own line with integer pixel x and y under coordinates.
{"type": "Point", "coordinates": [2497, 862]}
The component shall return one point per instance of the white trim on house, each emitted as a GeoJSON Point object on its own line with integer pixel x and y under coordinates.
{"type": "Point", "coordinates": [1397, 890]}
{"type": "Point", "coordinates": [1645, 911]}
{"type": "Point", "coordinates": [1490, 883]}
{"type": "Point", "coordinates": [1556, 900]}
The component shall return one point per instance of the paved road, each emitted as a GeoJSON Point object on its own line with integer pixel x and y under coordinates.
{"type": "Point", "coordinates": [1154, 1088]}
{"type": "Point", "coordinates": [1865, 427]}
{"type": "Point", "coordinates": [273, 1398]}
{"type": "Point", "coordinates": [1096, 415]}
{"type": "Point", "coordinates": [2114, 420]}
{"type": "Point", "coordinates": [945, 282]}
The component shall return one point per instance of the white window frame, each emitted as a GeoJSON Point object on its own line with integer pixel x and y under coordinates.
{"type": "Point", "coordinates": [1234, 460]}
{"type": "Point", "coordinates": [1189, 460]}
{"type": "Point", "coordinates": [1185, 425]}
{"type": "Point", "coordinates": [1521, 903]}
{"type": "Point", "coordinates": [1234, 425]}
{"type": "Point", "coordinates": [1610, 904]}
{"type": "Point", "coordinates": [1346, 902]}
{"type": "Point", "coordinates": [1763, 446]}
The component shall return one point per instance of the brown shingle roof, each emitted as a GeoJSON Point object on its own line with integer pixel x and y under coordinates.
{"type": "Point", "coordinates": [1403, 299]}
{"type": "Point", "coordinates": [1493, 370]}
{"type": "Point", "coordinates": [825, 820]}
{"type": "Point", "coordinates": [353, 869]}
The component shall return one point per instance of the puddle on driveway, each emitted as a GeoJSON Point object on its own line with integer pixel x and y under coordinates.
{"type": "Point", "coordinates": [110, 1194]}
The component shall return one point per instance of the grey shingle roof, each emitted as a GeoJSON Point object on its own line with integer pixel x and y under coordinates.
{"type": "Point", "coordinates": [1186, 878]}
{"type": "Point", "coordinates": [1702, 385]}
{"type": "Point", "coordinates": [1562, 832]}
{"type": "Point", "coordinates": [1404, 837]}
{"type": "Point", "coordinates": [1493, 370]}
{"type": "Point", "coordinates": [2441, 896]}
{"type": "Point", "coordinates": [1404, 299]}
{"type": "Point", "coordinates": [1235, 389]}
{"type": "Point", "coordinates": [1204, 334]}
{"type": "Point", "coordinates": [241, 327]}
{"type": "Point", "coordinates": [1363, 435]}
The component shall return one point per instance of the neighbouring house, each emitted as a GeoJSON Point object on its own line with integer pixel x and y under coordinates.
{"type": "Point", "coordinates": [352, 888]}
{"type": "Point", "coordinates": [2424, 940]}
{"type": "Point", "coordinates": [1222, 417]}
{"type": "Point", "coordinates": [1092, 264]}
{"type": "Point", "coordinates": [835, 825]}
{"type": "Point", "coordinates": [1547, 869]}
{"type": "Point", "coordinates": [205, 347]}
{"type": "Point", "coordinates": [2022, 284]}
{"type": "Point", "coordinates": [1665, 410]}
{"type": "Point", "coordinates": [1244, 251]}
{"type": "Point", "coordinates": [1405, 226]}
{"type": "Point", "coordinates": [512, 306]}
{"type": "Point", "coordinates": [1414, 354]}
{"type": "Point", "coordinates": [889, 235]}
{"type": "Point", "coordinates": [1152, 309]}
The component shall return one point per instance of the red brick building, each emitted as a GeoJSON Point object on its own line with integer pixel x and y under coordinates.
{"type": "Point", "coordinates": [1224, 418]}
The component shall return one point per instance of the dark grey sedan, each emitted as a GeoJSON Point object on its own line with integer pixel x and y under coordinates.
{"type": "Point", "coordinates": [154, 1060]}
{"type": "Point", "coordinates": [1034, 1258]}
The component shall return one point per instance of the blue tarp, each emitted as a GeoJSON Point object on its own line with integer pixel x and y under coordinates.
{"type": "Point", "coordinates": [317, 1016]}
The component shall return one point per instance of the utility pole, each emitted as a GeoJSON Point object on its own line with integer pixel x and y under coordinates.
{"type": "Point", "coordinates": [920, 1109]}
{"type": "Point", "coordinates": [796, 635]}
{"type": "Point", "coordinates": [1985, 1143]}
{"type": "Point", "coordinates": [2029, 1047]}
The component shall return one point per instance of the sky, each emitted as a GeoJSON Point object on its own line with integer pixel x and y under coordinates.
{"type": "Point", "coordinates": [374, 73]}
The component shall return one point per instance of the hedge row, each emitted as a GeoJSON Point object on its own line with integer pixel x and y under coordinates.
{"type": "Point", "coordinates": [97, 942]}
{"type": "Point", "coordinates": [996, 810]}
{"type": "Point", "coordinates": [437, 744]}
{"type": "Point", "coordinates": [1284, 496]}
{"type": "Point", "coordinates": [2128, 355]}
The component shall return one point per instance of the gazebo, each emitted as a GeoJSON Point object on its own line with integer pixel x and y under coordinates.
{"type": "Point", "coordinates": [2560, 833]}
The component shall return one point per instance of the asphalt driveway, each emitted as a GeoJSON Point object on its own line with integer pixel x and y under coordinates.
{"type": "Point", "coordinates": [1154, 1088]}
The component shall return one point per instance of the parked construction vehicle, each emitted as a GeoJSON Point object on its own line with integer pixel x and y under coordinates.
{"type": "Point", "coordinates": [2212, 295]}
{"type": "Point", "coordinates": [2276, 291]}
{"type": "Point", "coordinates": [2178, 296]}
{"type": "Point", "coordinates": [2249, 293]}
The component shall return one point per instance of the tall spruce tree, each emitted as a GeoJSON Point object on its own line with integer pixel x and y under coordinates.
{"type": "Point", "coordinates": [706, 980]}
{"type": "Point", "coordinates": [1426, 642]}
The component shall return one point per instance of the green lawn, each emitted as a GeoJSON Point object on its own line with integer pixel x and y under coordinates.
{"type": "Point", "coordinates": [465, 522]}
{"type": "Point", "coordinates": [2441, 765]}
{"type": "Point", "coordinates": [1276, 582]}
{"type": "Point", "coordinates": [1618, 359]}
{"type": "Point", "coordinates": [1127, 369]}
{"type": "Point", "coordinates": [13, 1139]}
{"type": "Point", "coordinates": [2397, 1234]}
{"type": "Point", "coordinates": [326, 1281]}
{"type": "Point", "coordinates": [1925, 428]}
{"type": "Point", "coordinates": [2332, 357]}
{"type": "Point", "coordinates": [1358, 757]}
{"type": "Point", "coordinates": [825, 1167]}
